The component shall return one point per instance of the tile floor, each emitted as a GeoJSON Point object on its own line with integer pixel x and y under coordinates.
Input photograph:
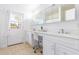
{"type": "Point", "coordinates": [20, 49]}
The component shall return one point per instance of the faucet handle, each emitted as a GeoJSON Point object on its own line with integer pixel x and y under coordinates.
{"type": "Point", "coordinates": [62, 30]}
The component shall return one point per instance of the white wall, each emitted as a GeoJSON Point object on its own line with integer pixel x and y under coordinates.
{"type": "Point", "coordinates": [3, 28]}
{"type": "Point", "coordinates": [69, 26]}
{"type": "Point", "coordinates": [14, 7]}
{"type": "Point", "coordinates": [26, 27]}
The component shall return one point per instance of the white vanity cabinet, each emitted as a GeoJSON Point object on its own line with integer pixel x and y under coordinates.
{"type": "Point", "coordinates": [65, 50]}
{"type": "Point", "coordinates": [60, 45]}
{"type": "Point", "coordinates": [48, 45]}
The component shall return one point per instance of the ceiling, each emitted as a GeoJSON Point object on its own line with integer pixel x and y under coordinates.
{"type": "Point", "coordinates": [26, 9]}
{"type": "Point", "coordinates": [22, 8]}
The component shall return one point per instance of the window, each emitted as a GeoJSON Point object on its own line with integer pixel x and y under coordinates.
{"type": "Point", "coordinates": [14, 21]}
{"type": "Point", "coordinates": [70, 14]}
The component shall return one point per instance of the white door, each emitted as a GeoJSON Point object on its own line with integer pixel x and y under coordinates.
{"type": "Point", "coordinates": [15, 36]}
{"type": "Point", "coordinates": [15, 33]}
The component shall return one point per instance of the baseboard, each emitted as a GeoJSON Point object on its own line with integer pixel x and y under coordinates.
{"type": "Point", "coordinates": [15, 44]}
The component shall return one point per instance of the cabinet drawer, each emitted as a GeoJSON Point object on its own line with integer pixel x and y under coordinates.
{"type": "Point", "coordinates": [73, 43]}
{"type": "Point", "coordinates": [64, 50]}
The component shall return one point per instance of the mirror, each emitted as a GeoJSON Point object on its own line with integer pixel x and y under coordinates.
{"type": "Point", "coordinates": [38, 19]}
{"type": "Point", "coordinates": [52, 14]}
{"type": "Point", "coordinates": [68, 12]}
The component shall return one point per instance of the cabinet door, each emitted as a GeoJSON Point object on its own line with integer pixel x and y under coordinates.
{"type": "Point", "coordinates": [65, 50]}
{"type": "Point", "coordinates": [48, 46]}
{"type": "Point", "coordinates": [71, 42]}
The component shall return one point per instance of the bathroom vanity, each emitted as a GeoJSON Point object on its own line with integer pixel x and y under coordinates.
{"type": "Point", "coordinates": [60, 44]}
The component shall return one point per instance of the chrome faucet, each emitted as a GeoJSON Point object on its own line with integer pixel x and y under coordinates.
{"type": "Point", "coordinates": [61, 31]}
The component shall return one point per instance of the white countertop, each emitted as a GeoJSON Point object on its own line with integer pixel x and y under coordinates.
{"type": "Point", "coordinates": [73, 36]}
